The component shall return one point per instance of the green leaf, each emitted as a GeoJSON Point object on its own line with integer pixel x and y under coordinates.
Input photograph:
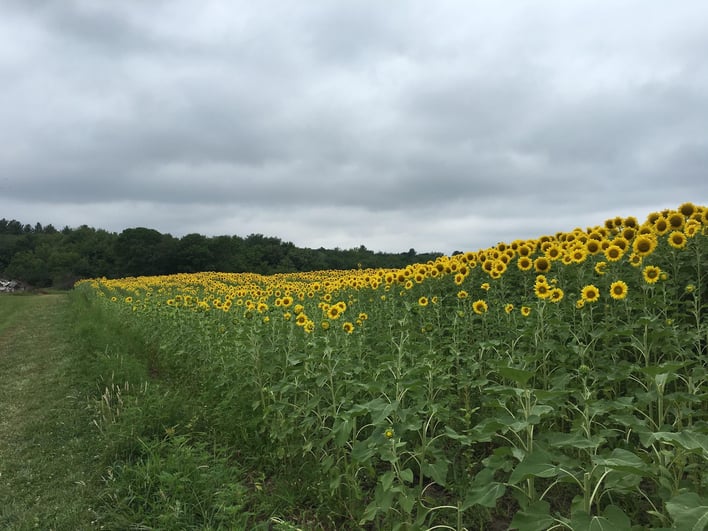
{"type": "Point", "coordinates": [582, 521]}
{"type": "Point", "coordinates": [688, 440]}
{"type": "Point", "coordinates": [407, 475]}
{"type": "Point", "coordinates": [536, 517]}
{"type": "Point", "coordinates": [624, 461]}
{"type": "Point", "coordinates": [688, 511]}
{"type": "Point", "coordinates": [616, 516]}
{"type": "Point", "coordinates": [484, 495]}
{"type": "Point", "coordinates": [519, 376]}
{"type": "Point", "coordinates": [536, 464]}
{"type": "Point", "coordinates": [574, 440]}
{"type": "Point", "coordinates": [437, 471]}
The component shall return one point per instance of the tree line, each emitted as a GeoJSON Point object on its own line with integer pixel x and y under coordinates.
{"type": "Point", "coordinates": [43, 256]}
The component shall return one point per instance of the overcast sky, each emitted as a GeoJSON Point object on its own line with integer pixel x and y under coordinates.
{"type": "Point", "coordinates": [438, 126]}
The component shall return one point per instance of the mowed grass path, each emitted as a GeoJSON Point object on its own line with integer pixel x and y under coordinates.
{"type": "Point", "coordinates": [46, 477]}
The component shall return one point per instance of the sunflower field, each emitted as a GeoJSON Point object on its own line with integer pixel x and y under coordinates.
{"type": "Point", "coordinates": [553, 383]}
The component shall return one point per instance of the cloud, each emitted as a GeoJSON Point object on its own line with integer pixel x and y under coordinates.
{"type": "Point", "coordinates": [435, 127]}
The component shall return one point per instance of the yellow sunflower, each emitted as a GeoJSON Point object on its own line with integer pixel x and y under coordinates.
{"type": "Point", "coordinates": [423, 301]}
{"type": "Point", "coordinates": [542, 264]}
{"type": "Point", "coordinates": [677, 239]}
{"type": "Point", "coordinates": [479, 307]}
{"type": "Point", "coordinates": [618, 290]}
{"type": "Point", "coordinates": [651, 274]}
{"type": "Point", "coordinates": [644, 245]}
{"type": "Point", "coordinates": [590, 293]}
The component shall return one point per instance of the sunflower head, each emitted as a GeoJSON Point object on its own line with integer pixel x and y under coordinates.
{"type": "Point", "coordinates": [480, 307]}
{"type": "Point", "coordinates": [651, 274]}
{"type": "Point", "coordinates": [618, 290]}
{"type": "Point", "coordinates": [590, 293]}
{"type": "Point", "coordinates": [677, 239]}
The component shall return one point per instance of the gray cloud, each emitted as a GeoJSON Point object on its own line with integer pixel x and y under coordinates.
{"type": "Point", "coordinates": [345, 123]}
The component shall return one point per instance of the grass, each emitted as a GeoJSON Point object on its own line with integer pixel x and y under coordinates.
{"type": "Point", "coordinates": [47, 477]}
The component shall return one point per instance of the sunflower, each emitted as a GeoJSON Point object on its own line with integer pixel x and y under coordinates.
{"type": "Point", "coordinates": [600, 268]}
{"type": "Point", "coordinates": [621, 242]}
{"type": "Point", "coordinates": [691, 228]}
{"type": "Point", "coordinates": [590, 293]}
{"type": "Point", "coordinates": [661, 226]}
{"type": "Point", "coordinates": [459, 278]}
{"type": "Point", "coordinates": [677, 239]}
{"type": "Point", "coordinates": [556, 295]}
{"type": "Point", "coordinates": [542, 290]}
{"type": "Point", "coordinates": [508, 308]}
{"type": "Point", "coordinates": [348, 327]}
{"type": "Point", "coordinates": [618, 290]}
{"type": "Point", "coordinates": [462, 294]}
{"type": "Point", "coordinates": [651, 274]}
{"type": "Point", "coordinates": [524, 263]}
{"type": "Point", "coordinates": [675, 220]}
{"type": "Point", "coordinates": [592, 246]}
{"type": "Point", "coordinates": [423, 301]}
{"type": "Point", "coordinates": [333, 312]}
{"type": "Point", "coordinates": [525, 311]}
{"type": "Point", "coordinates": [542, 264]}
{"type": "Point", "coordinates": [628, 233]}
{"type": "Point", "coordinates": [325, 325]}
{"type": "Point", "coordinates": [286, 301]}
{"type": "Point", "coordinates": [687, 209]}
{"type": "Point", "coordinates": [301, 319]}
{"type": "Point", "coordinates": [578, 255]}
{"type": "Point", "coordinates": [485, 286]}
{"type": "Point", "coordinates": [479, 307]}
{"type": "Point", "coordinates": [579, 303]}
{"type": "Point", "coordinates": [644, 245]}
{"type": "Point", "coordinates": [613, 253]}
{"type": "Point", "coordinates": [553, 252]}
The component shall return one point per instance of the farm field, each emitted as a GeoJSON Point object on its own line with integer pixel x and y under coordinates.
{"type": "Point", "coordinates": [553, 383]}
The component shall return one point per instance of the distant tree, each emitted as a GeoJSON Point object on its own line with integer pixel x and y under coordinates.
{"type": "Point", "coordinates": [137, 251]}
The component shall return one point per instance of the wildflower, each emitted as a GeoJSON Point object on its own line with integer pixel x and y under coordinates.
{"type": "Point", "coordinates": [579, 303]}
{"type": "Point", "coordinates": [542, 264]}
{"type": "Point", "coordinates": [525, 311]}
{"type": "Point", "coordinates": [644, 245]}
{"type": "Point", "coordinates": [675, 221]}
{"type": "Point", "coordinates": [348, 327]}
{"type": "Point", "coordinates": [423, 301]}
{"type": "Point", "coordinates": [542, 290]}
{"type": "Point", "coordinates": [556, 295]}
{"type": "Point", "coordinates": [661, 226]}
{"type": "Point", "coordinates": [593, 246]}
{"type": "Point", "coordinates": [600, 268]}
{"type": "Point", "coordinates": [651, 274]}
{"type": "Point", "coordinates": [333, 312]}
{"type": "Point", "coordinates": [524, 263]}
{"type": "Point", "coordinates": [508, 308]}
{"type": "Point", "coordinates": [479, 307]}
{"type": "Point", "coordinates": [613, 253]}
{"type": "Point", "coordinates": [590, 293]}
{"type": "Point", "coordinates": [462, 294]}
{"type": "Point", "coordinates": [677, 240]}
{"type": "Point", "coordinates": [618, 290]}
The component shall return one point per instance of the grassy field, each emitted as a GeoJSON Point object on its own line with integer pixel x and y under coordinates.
{"type": "Point", "coordinates": [47, 472]}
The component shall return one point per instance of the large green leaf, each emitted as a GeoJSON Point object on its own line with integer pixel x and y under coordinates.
{"type": "Point", "coordinates": [536, 517]}
{"type": "Point", "coordinates": [688, 511]}
{"type": "Point", "coordinates": [536, 464]}
{"type": "Point", "coordinates": [623, 460]}
{"type": "Point", "coordinates": [688, 440]}
{"type": "Point", "coordinates": [520, 376]}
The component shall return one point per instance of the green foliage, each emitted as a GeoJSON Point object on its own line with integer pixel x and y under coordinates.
{"type": "Point", "coordinates": [431, 413]}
